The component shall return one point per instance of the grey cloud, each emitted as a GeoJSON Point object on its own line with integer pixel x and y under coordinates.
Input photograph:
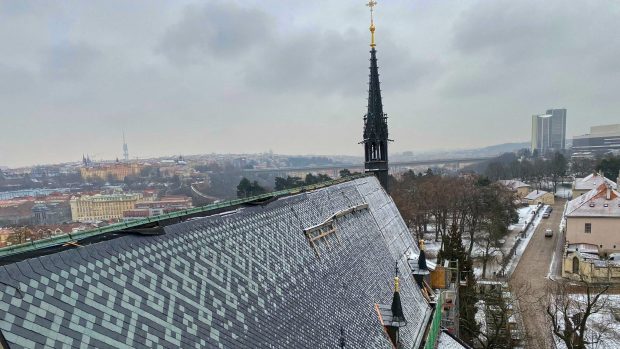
{"type": "Point", "coordinates": [216, 76]}
{"type": "Point", "coordinates": [14, 82]}
{"type": "Point", "coordinates": [217, 29]}
{"type": "Point", "coordinates": [332, 62]}
{"type": "Point", "coordinates": [535, 49]}
{"type": "Point", "coordinates": [69, 61]}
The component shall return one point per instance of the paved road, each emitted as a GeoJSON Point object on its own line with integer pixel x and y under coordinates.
{"type": "Point", "coordinates": [532, 272]}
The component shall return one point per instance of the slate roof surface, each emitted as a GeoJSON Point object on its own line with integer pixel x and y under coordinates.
{"type": "Point", "coordinates": [245, 280]}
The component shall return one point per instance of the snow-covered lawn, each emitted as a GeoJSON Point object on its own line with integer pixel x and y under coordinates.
{"type": "Point", "coordinates": [525, 216]}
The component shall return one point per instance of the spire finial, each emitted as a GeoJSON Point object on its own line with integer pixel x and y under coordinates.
{"type": "Point", "coordinates": [372, 4]}
{"type": "Point", "coordinates": [396, 280]}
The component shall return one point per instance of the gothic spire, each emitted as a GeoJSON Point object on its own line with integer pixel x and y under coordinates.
{"type": "Point", "coordinates": [375, 121]}
{"type": "Point", "coordinates": [376, 127]}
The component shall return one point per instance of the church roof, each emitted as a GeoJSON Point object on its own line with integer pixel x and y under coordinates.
{"type": "Point", "coordinates": [249, 278]}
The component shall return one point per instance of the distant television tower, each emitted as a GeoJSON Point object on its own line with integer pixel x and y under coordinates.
{"type": "Point", "coordinates": [125, 149]}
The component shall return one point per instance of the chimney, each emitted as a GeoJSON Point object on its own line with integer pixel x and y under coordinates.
{"type": "Point", "coordinates": [608, 194]}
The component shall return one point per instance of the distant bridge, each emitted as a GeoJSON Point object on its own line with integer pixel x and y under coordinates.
{"type": "Point", "coordinates": [333, 170]}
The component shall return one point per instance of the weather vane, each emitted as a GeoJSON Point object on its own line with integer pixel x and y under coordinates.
{"type": "Point", "coordinates": [372, 4]}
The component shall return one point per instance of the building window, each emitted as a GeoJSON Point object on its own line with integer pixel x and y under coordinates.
{"type": "Point", "coordinates": [588, 228]}
{"type": "Point", "coordinates": [575, 265]}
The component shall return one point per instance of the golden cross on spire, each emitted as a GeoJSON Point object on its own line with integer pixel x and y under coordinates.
{"type": "Point", "coordinates": [372, 4]}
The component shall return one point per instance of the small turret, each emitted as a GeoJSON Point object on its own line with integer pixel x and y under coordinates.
{"type": "Point", "coordinates": [397, 319]}
{"type": "Point", "coordinates": [422, 269]}
{"type": "Point", "coordinates": [397, 307]}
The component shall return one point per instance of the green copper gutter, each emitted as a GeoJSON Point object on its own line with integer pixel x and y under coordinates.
{"type": "Point", "coordinates": [77, 236]}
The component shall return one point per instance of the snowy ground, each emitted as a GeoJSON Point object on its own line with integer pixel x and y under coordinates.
{"type": "Point", "coordinates": [525, 216]}
{"type": "Point", "coordinates": [432, 246]}
{"type": "Point", "coordinates": [564, 192]}
{"type": "Point", "coordinates": [528, 236]}
{"type": "Point", "coordinates": [553, 272]}
{"type": "Point", "coordinates": [480, 317]}
{"type": "Point", "coordinates": [602, 325]}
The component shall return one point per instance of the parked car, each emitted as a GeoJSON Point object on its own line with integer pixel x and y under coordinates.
{"type": "Point", "coordinates": [546, 214]}
{"type": "Point", "coordinates": [548, 233]}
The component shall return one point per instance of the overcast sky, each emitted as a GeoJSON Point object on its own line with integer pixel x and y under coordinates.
{"type": "Point", "coordinates": [189, 77]}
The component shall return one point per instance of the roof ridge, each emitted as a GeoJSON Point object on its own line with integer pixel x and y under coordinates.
{"type": "Point", "coordinates": [59, 240]}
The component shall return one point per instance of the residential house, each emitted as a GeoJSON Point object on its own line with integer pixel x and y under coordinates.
{"type": "Point", "coordinates": [584, 185]}
{"type": "Point", "coordinates": [521, 189]}
{"type": "Point", "coordinates": [539, 196]}
{"type": "Point", "coordinates": [592, 234]}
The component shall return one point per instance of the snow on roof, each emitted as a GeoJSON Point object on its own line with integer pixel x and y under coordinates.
{"type": "Point", "coordinates": [605, 263]}
{"type": "Point", "coordinates": [535, 194]}
{"type": "Point", "coordinates": [446, 341]}
{"type": "Point", "coordinates": [593, 181]}
{"type": "Point", "coordinates": [595, 203]}
{"type": "Point", "coordinates": [584, 248]}
{"type": "Point", "coordinates": [513, 184]}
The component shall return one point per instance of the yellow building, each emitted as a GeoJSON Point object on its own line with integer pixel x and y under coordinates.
{"type": "Point", "coordinates": [539, 196]}
{"type": "Point", "coordinates": [116, 170]}
{"type": "Point", "coordinates": [102, 207]}
{"type": "Point", "coordinates": [592, 240]}
{"type": "Point", "coordinates": [519, 188]}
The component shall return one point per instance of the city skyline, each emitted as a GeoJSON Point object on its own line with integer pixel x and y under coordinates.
{"type": "Point", "coordinates": [227, 77]}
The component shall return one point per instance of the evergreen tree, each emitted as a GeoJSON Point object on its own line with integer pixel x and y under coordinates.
{"type": "Point", "coordinates": [609, 166]}
{"type": "Point", "coordinates": [453, 250]}
{"type": "Point", "coordinates": [247, 189]}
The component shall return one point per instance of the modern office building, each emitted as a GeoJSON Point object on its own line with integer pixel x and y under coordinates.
{"type": "Point", "coordinates": [549, 131]}
{"type": "Point", "coordinates": [601, 140]}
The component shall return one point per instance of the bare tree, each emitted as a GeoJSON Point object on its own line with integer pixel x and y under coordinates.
{"type": "Point", "coordinates": [502, 325]}
{"type": "Point", "coordinates": [569, 308]}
